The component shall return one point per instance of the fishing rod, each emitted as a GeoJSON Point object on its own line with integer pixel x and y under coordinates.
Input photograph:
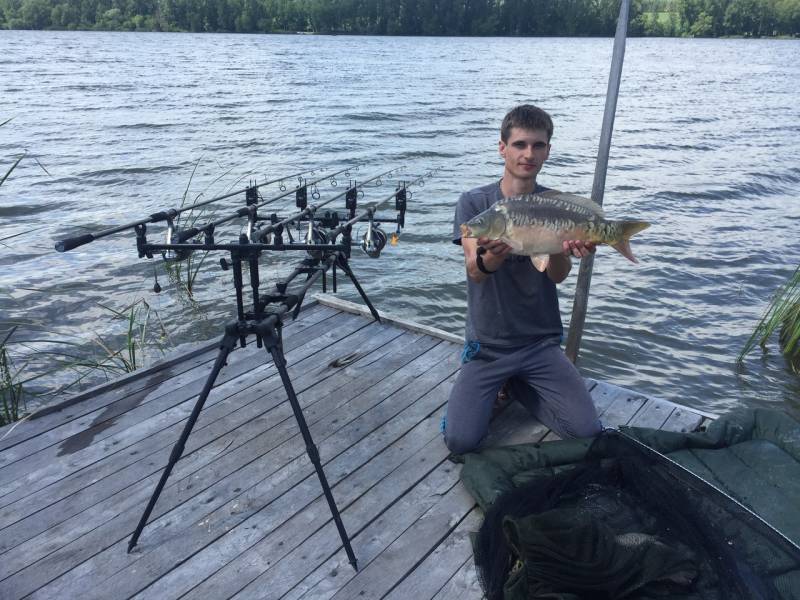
{"type": "Point", "coordinates": [308, 211]}
{"type": "Point", "coordinates": [175, 247]}
{"type": "Point", "coordinates": [250, 211]}
{"type": "Point", "coordinates": [168, 215]}
{"type": "Point", "coordinates": [374, 239]}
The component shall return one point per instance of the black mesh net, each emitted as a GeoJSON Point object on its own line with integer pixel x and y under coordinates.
{"type": "Point", "coordinates": [628, 522]}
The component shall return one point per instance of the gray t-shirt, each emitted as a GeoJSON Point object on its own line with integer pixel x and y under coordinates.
{"type": "Point", "coordinates": [515, 306]}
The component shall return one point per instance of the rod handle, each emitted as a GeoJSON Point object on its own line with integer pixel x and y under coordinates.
{"type": "Point", "coordinates": [70, 243]}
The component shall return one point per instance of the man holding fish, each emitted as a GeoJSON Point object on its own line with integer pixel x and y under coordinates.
{"type": "Point", "coordinates": [517, 238]}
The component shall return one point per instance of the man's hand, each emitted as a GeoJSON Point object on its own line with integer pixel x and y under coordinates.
{"type": "Point", "coordinates": [579, 249]}
{"type": "Point", "coordinates": [560, 264]}
{"type": "Point", "coordinates": [496, 253]}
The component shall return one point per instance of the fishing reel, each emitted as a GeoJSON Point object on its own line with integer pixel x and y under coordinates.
{"type": "Point", "coordinates": [316, 235]}
{"type": "Point", "coordinates": [374, 240]}
{"type": "Point", "coordinates": [177, 236]}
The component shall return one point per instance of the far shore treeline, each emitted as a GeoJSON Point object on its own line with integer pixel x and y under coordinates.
{"type": "Point", "coordinates": [699, 18]}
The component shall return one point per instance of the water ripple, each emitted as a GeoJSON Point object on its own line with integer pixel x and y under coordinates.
{"type": "Point", "coordinates": [125, 123]}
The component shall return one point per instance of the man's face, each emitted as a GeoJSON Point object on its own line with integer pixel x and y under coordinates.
{"type": "Point", "coordinates": [525, 152]}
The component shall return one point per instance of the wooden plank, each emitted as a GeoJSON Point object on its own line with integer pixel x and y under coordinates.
{"type": "Point", "coordinates": [238, 363]}
{"type": "Point", "coordinates": [653, 414]}
{"type": "Point", "coordinates": [622, 404]}
{"type": "Point", "coordinates": [391, 566]}
{"type": "Point", "coordinates": [683, 420]}
{"type": "Point", "coordinates": [59, 511]}
{"type": "Point", "coordinates": [265, 536]}
{"type": "Point", "coordinates": [36, 471]}
{"type": "Point", "coordinates": [243, 512]}
{"type": "Point", "coordinates": [103, 394]}
{"type": "Point", "coordinates": [515, 425]}
{"type": "Point", "coordinates": [360, 309]}
{"type": "Point", "coordinates": [463, 585]}
{"type": "Point", "coordinates": [433, 573]}
{"type": "Point", "coordinates": [392, 520]}
{"type": "Point", "coordinates": [278, 562]}
{"type": "Point", "coordinates": [247, 431]}
{"type": "Point", "coordinates": [229, 478]}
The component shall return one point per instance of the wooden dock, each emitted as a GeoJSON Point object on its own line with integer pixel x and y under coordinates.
{"type": "Point", "coordinates": [243, 514]}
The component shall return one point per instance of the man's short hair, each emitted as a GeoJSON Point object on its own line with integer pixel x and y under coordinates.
{"type": "Point", "coordinates": [526, 116]}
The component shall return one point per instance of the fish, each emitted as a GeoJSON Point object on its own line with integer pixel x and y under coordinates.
{"type": "Point", "coordinates": [537, 224]}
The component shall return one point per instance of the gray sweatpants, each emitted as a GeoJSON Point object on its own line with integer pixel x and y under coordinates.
{"type": "Point", "coordinates": [544, 381]}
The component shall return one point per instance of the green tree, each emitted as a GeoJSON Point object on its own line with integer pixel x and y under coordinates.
{"type": "Point", "coordinates": [703, 26]}
{"type": "Point", "coordinates": [34, 14]}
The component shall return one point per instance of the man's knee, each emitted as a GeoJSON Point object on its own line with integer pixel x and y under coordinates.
{"type": "Point", "coordinates": [459, 443]}
{"type": "Point", "coordinates": [584, 428]}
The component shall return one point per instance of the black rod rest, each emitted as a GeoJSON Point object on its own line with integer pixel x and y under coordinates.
{"type": "Point", "coordinates": [329, 240]}
{"type": "Point", "coordinates": [266, 324]}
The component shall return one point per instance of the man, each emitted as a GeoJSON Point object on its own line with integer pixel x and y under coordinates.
{"type": "Point", "coordinates": [513, 321]}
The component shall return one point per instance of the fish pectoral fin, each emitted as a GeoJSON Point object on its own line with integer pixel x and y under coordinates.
{"type": "Point", "coordinates": [515, 245]}
{"type": "Point", "coordinates": [540, 262]}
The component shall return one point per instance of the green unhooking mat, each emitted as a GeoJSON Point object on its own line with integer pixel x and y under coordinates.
{"type": "Point", "coordinates": [644, 514]}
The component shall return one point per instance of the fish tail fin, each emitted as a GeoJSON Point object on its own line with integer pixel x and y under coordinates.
{"type": "Point", "coordinates": [623, 246]}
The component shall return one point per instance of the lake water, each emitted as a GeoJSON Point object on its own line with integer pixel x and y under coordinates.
{"type": "Point", "coordinates": [705, 147]}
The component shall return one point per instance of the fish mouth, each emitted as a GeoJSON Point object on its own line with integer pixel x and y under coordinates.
{"type": "Point", "coordinates": [465, 231]}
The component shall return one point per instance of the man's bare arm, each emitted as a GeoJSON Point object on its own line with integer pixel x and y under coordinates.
{"type": "Point", "coordinates": [496, 253]}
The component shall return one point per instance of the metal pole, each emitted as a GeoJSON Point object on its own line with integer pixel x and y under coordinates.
{"type": "Point", "coordinates": [601, 167]}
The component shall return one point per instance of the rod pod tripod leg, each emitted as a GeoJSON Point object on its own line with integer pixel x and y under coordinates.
{"type": "Point", "coordinates": [226, 346]}
{"type": "Point", "coordinates": [345, 266]}
{"type": "Point", "coordinates": [267, 329]}
{"type": "Point", "coordinates": [275, 348]}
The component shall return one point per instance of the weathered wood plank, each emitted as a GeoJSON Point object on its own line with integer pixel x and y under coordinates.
{"type": "Point", "coordinates": [37, 470]}
{"type": "Point", "coordinates": [106, 393]}
{"type": "Point", "coordinates": [433, 573]}
{"type": "Point", "coordinates": [653, 414]}
{"type": "Point", "coordinates": [392, 565]}
{"type": "Point", "coordinates": [278, 422]}
{"type": "Point", "coordinates": [359, 309]}
{"type": "Point", "coordinates": [95, 423]}
{"type": "Point", "coordinates": [463, 585]}
{"type": "Point", "coordinates": [384, 523]}
{"type": "Point", "coordinates": [290, 463]}
{"type": "Point", "coordinates": [208, 430]}
{"type": "Point", "coordinates": [101, 469]}
{"type": "Point", "coordinates": [623, 406]}
{"type": "Point", "coordinates": [265, 536]}
{"type": "Point", "coordinates": [269, 564]}
{"type": "Point", "coordinates": [683, 420]}
{"type": "Point", "coordinates": [243, 515]}
{"type": "Point", "coordinates": [514, 425]}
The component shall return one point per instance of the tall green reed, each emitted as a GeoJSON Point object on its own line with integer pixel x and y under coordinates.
{"type": "Point", "coordinates": [24, 363]}
{"type": "Point", "coordinates": [782, 315]}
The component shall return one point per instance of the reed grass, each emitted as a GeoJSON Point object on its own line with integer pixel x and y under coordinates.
{"type": "Point", "coordinates": [10, 389]}
{"type": "Point", "coordinates": [782, 316]}
{"type": "Point", "coordinates": [42, 357]}
{"type": "Point", "coordinates": [132, 355]}
{"type": "Point", "coordinates": [23, 362]}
